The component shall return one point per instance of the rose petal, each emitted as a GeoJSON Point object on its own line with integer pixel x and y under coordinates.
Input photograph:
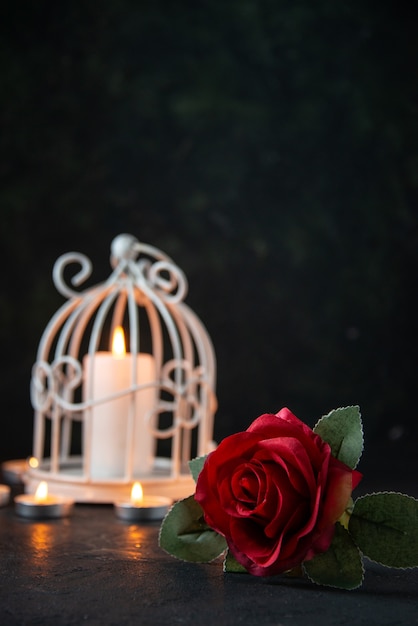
{"type": "Point", "coordinates": [339, 489]}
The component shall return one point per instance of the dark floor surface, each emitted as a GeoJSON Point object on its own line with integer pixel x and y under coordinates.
{"type": "Point", "coordinates": [93, 569]}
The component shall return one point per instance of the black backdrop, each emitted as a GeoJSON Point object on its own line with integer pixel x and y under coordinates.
{"type": "Point", "coordinates": [270, 147]}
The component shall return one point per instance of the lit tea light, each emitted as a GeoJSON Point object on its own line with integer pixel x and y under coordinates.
{"type": "Point", "coordinates": [4, 495]}
{"type": "Point", "coordinates": [13, 471]}
{"type": "Point", "coordinates": [142, 508]}
{"type": "Point", "coordinates": [42, 505]}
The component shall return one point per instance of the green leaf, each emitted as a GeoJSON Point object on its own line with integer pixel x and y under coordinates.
{"type": "Point", "coordinates": [342, 429]}
{"type": "Point", "coordinates": [341, 566]}
{"type": "Point", "coordinates": [385, 528]}
{"type": "Point", "coordinates": [232, 565]}
{"type": "Point", "coordinates": [196, 465]}
{"type": "Point", "coordinates": [185, 534]}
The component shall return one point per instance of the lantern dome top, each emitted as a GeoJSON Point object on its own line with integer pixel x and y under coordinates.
{"type": "Point", "coordinates": [124, 247]}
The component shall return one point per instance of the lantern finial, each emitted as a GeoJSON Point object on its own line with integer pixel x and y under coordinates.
{"type": "Point", "coordinates": [123, 248]}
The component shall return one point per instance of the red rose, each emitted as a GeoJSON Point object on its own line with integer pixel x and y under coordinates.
{"type": "Point", "coordinates": [274, 492]}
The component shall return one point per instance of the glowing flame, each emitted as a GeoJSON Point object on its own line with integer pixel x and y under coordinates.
{"type": "Point", "coordinates": [41, 493]}
{"type": "Point", "coordinates": [137, 494]}
{"type": "Point", "coordinates": [33, 462]}
{"type": "Point", "coordinates": [118, 343]}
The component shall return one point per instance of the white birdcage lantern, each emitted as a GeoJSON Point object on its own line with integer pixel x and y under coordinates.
{"type": "Point", "coordinates": [123, 387]}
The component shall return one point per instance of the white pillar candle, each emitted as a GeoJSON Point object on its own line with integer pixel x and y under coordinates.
{"type": "Point", "coordinates": [112, 372]}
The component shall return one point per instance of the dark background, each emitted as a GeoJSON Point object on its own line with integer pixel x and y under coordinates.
{"type": "Point", "coordinates": [270, 147]}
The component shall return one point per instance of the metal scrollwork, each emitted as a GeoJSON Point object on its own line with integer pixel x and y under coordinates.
{"type": "Point", "coordinates": [149, 267]}
{"type": "Point", "coordinates": [58, 272]}
{"type": "Point", "coordinates": [168, 280]}
{"type": "Point", "coordinates": [55, 383]}
{"type": "Point", "coordinates": [186, 403]}
{"type": "Point", "coordinates": [42, 386]}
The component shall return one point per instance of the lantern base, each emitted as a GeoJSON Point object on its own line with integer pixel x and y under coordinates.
{"type": "Point", "coordinates": [71, 482]}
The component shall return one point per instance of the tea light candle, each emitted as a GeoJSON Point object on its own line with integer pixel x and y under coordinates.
{"type": "Point", "coordinates": [14, 471]}
{"type": "Point", "coordinates": [4, 495]}
{"type": "Point", "coordinates": [142, 508]}
{"type": "Point", "coordinates": [42, 505]}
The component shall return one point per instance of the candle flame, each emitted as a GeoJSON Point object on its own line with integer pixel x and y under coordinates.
{"type": "Point", "coordinates": [118, 343]}
{"type": "Point", "coordinates": [41, 493]}
{"type": "Point", "coordinates": [33, 462]}
{"type": "Point", "coordinates": [137, 494]}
